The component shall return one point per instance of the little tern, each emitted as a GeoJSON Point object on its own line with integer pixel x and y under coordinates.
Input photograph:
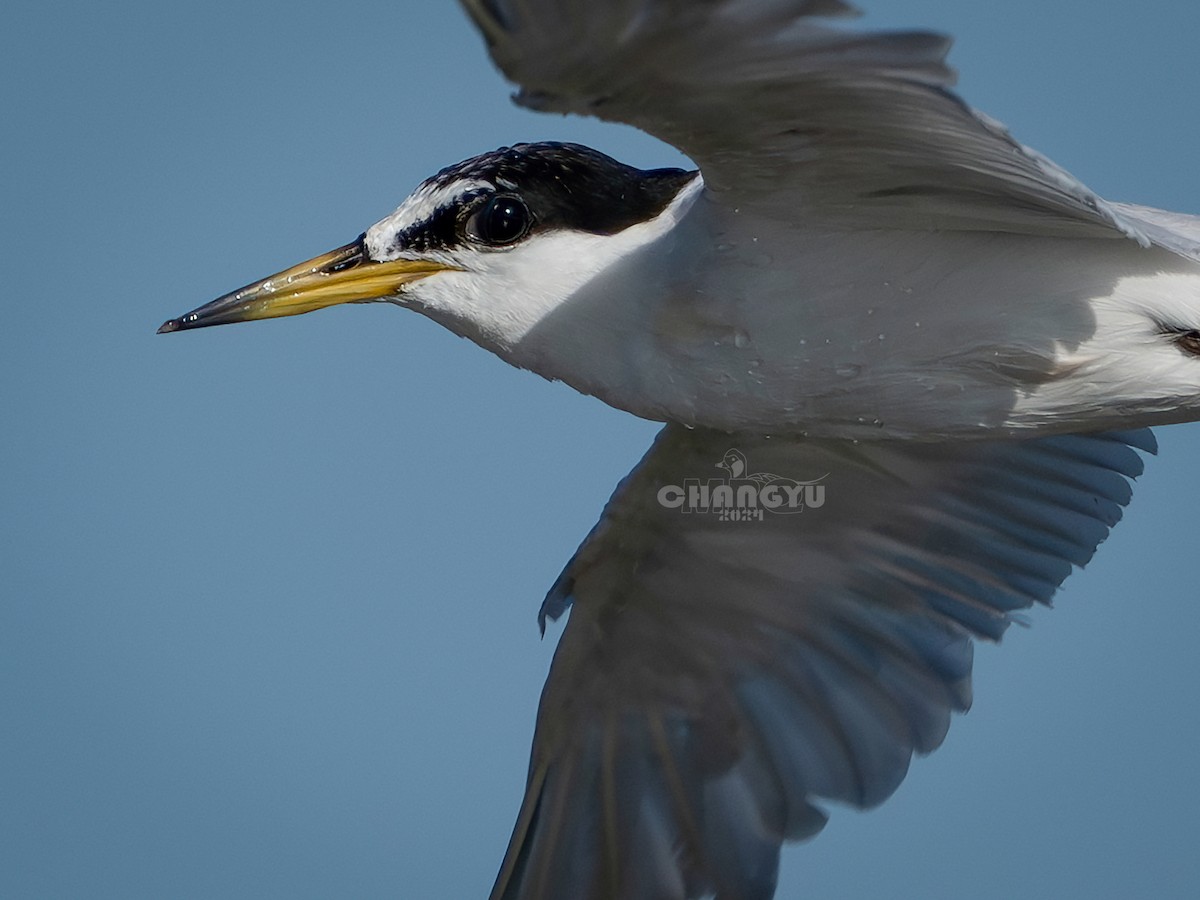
{"type": "Point", "coordinates": [867, 285]}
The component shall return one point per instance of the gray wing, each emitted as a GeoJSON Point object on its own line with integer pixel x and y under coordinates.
{"type": "Point", "coordinates": [784, 112]}
{"type": "Point", "coordinates": [1177, 232]}
{"type": "Point", "coordinates": [718, 682]}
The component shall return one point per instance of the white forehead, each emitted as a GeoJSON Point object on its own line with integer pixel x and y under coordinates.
{"type": "Point", "coordinates": [419, 207]}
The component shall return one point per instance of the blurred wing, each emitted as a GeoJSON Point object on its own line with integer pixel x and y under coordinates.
{"type": "Point", "coordinates": [782, 111]}
{"type": "Point", "coordinates": [719, 680]}
{"type": "Point", "coordinates": [1177, 232]}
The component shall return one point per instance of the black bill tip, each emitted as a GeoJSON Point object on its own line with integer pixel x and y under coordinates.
{"type": "Point", "coordinates": [168, 326]}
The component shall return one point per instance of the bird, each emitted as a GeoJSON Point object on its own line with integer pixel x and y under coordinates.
{"type": "Point", "coordinates": [735, 463]}
{"type": "Point", "coordinates": [774, 493]}
{"type": "Point", "coordinates": [865, 282]}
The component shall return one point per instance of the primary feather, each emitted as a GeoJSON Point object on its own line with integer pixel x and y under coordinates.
{"type": "Point", "coordinates": [720, 682]}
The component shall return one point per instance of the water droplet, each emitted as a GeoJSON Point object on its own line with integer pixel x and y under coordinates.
{"type": "Point", "coordinates": [803, 342]}
{"type": "Point", "coordinates": [741, 339]}
{"type": "Point", "coordinates": [725, 248]}
{"type": "Point", "coordinates": [881, 337]}
{"type": "Point", "coordinates": [848, 370]}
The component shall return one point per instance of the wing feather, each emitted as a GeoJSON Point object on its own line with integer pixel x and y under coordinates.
{"type": "Point", "coordinates": [720, 681]}
{"type": "Point", "coordinates": [784, 110]}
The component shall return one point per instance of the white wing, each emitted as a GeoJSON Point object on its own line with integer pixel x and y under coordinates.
{"type": "Point", "coordinates": [784, 112]}
{"type": "Point", "coordinates": [718, 680]}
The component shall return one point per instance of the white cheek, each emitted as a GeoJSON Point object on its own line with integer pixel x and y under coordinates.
{"type": "Point", "coordinates": [502, 295]}
{"type": "Point", "coordinates": [499, 297]}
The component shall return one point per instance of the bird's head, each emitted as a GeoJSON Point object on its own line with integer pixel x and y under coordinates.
{"type": "Point", "coordinates": [487, 247]}
{"type": "Point", "coordinates": [734, 462]}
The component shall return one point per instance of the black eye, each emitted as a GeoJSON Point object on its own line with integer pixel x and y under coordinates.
{"type": "Point", "coordinates": [502, 220]}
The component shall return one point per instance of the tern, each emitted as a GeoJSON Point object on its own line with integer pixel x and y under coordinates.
{"type": "Point", "coordinates": [866, 282]}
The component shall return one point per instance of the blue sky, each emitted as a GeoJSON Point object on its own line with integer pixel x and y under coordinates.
{"type": "Point", "coordinates": [267, 593]}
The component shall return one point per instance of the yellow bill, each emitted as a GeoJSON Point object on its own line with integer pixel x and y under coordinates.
{"type": "Point", "coordinates": [344, 275]}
